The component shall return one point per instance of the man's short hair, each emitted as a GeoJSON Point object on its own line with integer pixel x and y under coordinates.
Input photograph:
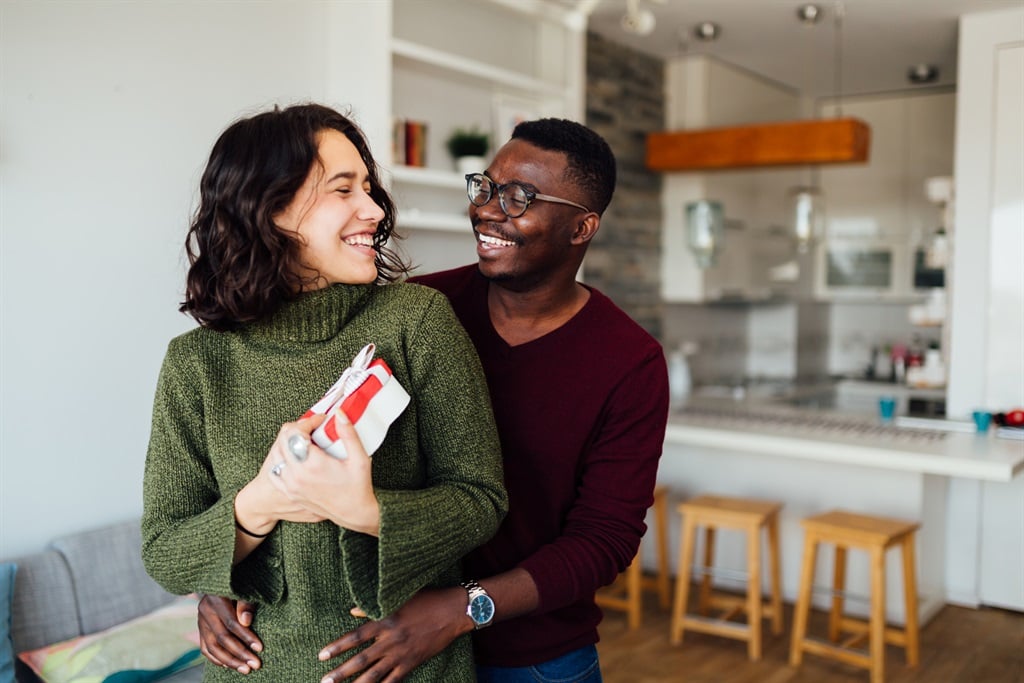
{"type": "Point", "coordinates": [591, 163]}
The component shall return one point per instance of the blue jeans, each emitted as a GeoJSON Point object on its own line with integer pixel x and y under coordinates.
{"type": "Point", "coordinates": [579, 666]}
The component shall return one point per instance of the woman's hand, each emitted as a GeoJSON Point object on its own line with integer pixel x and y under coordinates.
{"type": "Point", "coordinates": [337, 489]}
{"type": "Point", "coordinates": [260, 505]}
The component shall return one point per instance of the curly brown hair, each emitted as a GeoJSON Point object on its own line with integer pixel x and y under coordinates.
{"type": "Point", "coordinates": [242, 265]}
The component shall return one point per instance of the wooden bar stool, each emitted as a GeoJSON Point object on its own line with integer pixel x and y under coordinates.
{"type": "Point", "coordinates": [750, 516]}
{"type": "Point", "coordinates": [875, 535]}
{"type": "Point", "coordinates": [626, 593]}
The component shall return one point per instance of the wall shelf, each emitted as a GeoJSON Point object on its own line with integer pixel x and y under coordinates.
{"type": "Point", "coordinates": [446, 70]}
{"type": "Point", "coordinates": [416, 219]}
{"type": "Point", "coordinates": [421, 54]}
{"type": "Point", "coordinates": [428, 177]}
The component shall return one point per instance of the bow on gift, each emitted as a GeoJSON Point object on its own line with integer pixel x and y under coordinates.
{"type": "Point", "coordinates": [370, 397]}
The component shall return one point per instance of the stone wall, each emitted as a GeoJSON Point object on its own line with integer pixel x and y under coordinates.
{"type": "Point", "coordinates": [625, 101]}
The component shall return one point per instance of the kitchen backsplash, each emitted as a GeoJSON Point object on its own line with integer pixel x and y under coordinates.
{"type": "Point", "coordinates": [858, 327]}
{"type": "Point", "coordinates": [786, 340]}
{"type": "Point", "coordinates": [720, 335]}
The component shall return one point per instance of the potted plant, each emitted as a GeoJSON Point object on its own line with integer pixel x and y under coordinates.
{"type": "Point", "coordinates": [468, 147]}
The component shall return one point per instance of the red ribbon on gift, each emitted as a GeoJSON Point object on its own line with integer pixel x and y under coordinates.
{"type": "Point", "coordinates": [370, 397]}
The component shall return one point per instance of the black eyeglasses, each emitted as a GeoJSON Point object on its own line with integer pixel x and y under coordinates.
{"type": "Point", "coordinates": [513, 197]}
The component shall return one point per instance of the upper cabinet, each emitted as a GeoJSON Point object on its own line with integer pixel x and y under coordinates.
{"type": "Point", "coordinates": [456, 64]}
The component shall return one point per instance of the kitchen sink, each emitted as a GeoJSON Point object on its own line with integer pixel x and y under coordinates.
{"type": "Point", "coordinates": [817, 399]}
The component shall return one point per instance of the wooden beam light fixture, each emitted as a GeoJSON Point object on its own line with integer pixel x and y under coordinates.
{"type": "Point", "coordinates": [786, 143]}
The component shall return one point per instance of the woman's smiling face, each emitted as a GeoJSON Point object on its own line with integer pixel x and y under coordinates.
{"type": "Point", "coordinates": [334, 216]}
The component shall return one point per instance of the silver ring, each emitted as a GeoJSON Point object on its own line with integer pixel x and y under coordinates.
{"type": "Point", "coordinates": [298, 446]}
{"type": "Point", "coordinates": [277, 469]}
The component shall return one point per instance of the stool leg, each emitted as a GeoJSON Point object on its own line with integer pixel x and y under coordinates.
{"type": "Point", "coordinates": [838, 598]}
{"type": "Point", "coordinates": [634, 594]}
{"type": "Point", "coordinates": [803, 603]}
{"type": "Point", "coordinates": [682, 581]}
{"type": "Point", "coordinates": [877, 626]}
{"type": "Point", "coordinates": [910, 600]}
{"type": "Point", "coordinates": [661, 520]}
{"type": "Point", "coordinates": [704, 603]}
{"type": "Point", "coordinates": [776, 573]}
{"type": "Point", "coordinates": [754, 592]}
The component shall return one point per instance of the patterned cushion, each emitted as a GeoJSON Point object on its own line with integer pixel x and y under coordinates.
{"type": "Point", "coordinates": [144, 649]}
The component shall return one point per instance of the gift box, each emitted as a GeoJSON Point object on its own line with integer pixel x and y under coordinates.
{"type": "Point", "coordinates": [369, 395]}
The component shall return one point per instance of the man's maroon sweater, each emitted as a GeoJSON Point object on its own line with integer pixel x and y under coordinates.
{"type": "Point", "coordinates": [581, 413]}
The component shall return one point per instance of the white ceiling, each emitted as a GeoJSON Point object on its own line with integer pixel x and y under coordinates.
{"type": "Point", "coordinates": [881, 39]}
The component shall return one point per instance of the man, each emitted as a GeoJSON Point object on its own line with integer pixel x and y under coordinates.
{"type": "Point", "coordinates": [580, 396]}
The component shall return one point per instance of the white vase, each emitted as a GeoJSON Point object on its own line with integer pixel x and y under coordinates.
{"type": "Point", "coordinates": [474, 164]}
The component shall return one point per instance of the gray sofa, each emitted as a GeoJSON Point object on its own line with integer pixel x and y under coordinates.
{"type": "Point", "coordinates": [80, 584]}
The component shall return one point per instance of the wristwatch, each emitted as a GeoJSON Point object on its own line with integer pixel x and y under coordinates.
{"type": "Point", "coordinates": [481, 607]}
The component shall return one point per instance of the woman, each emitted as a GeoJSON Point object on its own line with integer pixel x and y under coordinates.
{"type": "Point", "coordinates": [288, 266]}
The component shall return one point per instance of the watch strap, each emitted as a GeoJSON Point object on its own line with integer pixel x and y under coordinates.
{"type": "Point", "coordinates": [474, 591]}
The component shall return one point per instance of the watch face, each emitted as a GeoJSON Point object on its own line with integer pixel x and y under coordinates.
{"type": "Point", "coordinates": [481, 609]}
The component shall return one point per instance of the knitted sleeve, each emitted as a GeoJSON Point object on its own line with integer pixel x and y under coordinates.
{"type": "Point", "coordinates": [424, 531]}
{"type": "Point", "coordinates": [188, 530]}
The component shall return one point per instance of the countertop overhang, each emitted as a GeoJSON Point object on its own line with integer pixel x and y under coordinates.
{"type": "Point", "coordinates": [847, 440]}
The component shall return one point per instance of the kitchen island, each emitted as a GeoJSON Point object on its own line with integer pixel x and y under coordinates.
{"type": "Point", "coordinates": [812, 461]}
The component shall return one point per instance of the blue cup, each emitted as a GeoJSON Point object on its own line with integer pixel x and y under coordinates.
{"type": "Point", "coordinates": [887, 408]}
{"type": "Point", "coordinates": [982, 419]}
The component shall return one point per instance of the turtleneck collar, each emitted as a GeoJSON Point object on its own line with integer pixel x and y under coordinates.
{"type": "Point", "coordinates": [314, 316]}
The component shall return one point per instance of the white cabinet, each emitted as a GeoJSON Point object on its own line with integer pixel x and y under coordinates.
{"type": "Point", "coordinates": [1001, 580]}
{"type": "Point", "coordinates": [864, 269]}
{"type": "Point", "coordinates": [986, 369]}
{"type": "Point", "coordinates": [458, 64]}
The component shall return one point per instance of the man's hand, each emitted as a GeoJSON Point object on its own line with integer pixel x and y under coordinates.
{"type": "Point", "coordinates": [224, 634]}
{"type": "Point", "coordinates": [421, 628]}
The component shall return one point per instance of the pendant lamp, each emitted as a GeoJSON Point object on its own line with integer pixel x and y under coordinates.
{"type": "Point", "coordinates": [807, 202]}
{"type": "Point", "coordinates": [807, 209]}
{"type": "Point", "coordinates": [705, 231]}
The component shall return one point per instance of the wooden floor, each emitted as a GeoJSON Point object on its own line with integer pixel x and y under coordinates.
{"type": "Point", "coordinates": [959, 645]}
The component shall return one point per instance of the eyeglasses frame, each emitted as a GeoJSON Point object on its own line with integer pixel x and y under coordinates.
{"type": "Point", "coordinates": [499, 189]}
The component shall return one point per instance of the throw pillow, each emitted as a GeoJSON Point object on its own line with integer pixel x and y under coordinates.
{"type": "Point", "coordinates": [7, 572]}
{"type": "Point", "coordinates": [148, 648]}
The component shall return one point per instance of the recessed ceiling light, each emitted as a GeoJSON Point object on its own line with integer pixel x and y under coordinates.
{"type": "Point", "coordinates": [809, 14]}
{"type": "Point", "coordinates": [707, 30]}
{"type": "Point", "coordinates": [923, 73]}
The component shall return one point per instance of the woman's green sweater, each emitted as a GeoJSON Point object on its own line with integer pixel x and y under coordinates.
{"type": "Point", "coordinates": [220, 400]}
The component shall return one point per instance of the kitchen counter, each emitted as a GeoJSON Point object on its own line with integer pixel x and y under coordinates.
{"type": "Point", "coordinates": [815, 460]}
{"type": "Point", "coordinates": [906, 445]}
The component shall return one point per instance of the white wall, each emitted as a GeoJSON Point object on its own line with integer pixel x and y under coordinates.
{"type": "Point", "coordinates": [987, 312]}
{"type": "Point", "coordinates": [109, 112]}
{"type": "Point", "coordinates": [985, 537]}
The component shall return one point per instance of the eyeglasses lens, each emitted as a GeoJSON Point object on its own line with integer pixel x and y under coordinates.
{"type": "Point", "coordinates": [479, 189]}
{"type": "Point", "coordinates": [514, 200]}
{"type": "Point", "coordinates": [512, 197]}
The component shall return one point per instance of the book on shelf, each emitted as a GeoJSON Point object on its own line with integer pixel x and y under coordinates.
{"type": "Point", "coordinates": [397, 140]}
{"type": "Point", "coordinates": [409, 142]}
